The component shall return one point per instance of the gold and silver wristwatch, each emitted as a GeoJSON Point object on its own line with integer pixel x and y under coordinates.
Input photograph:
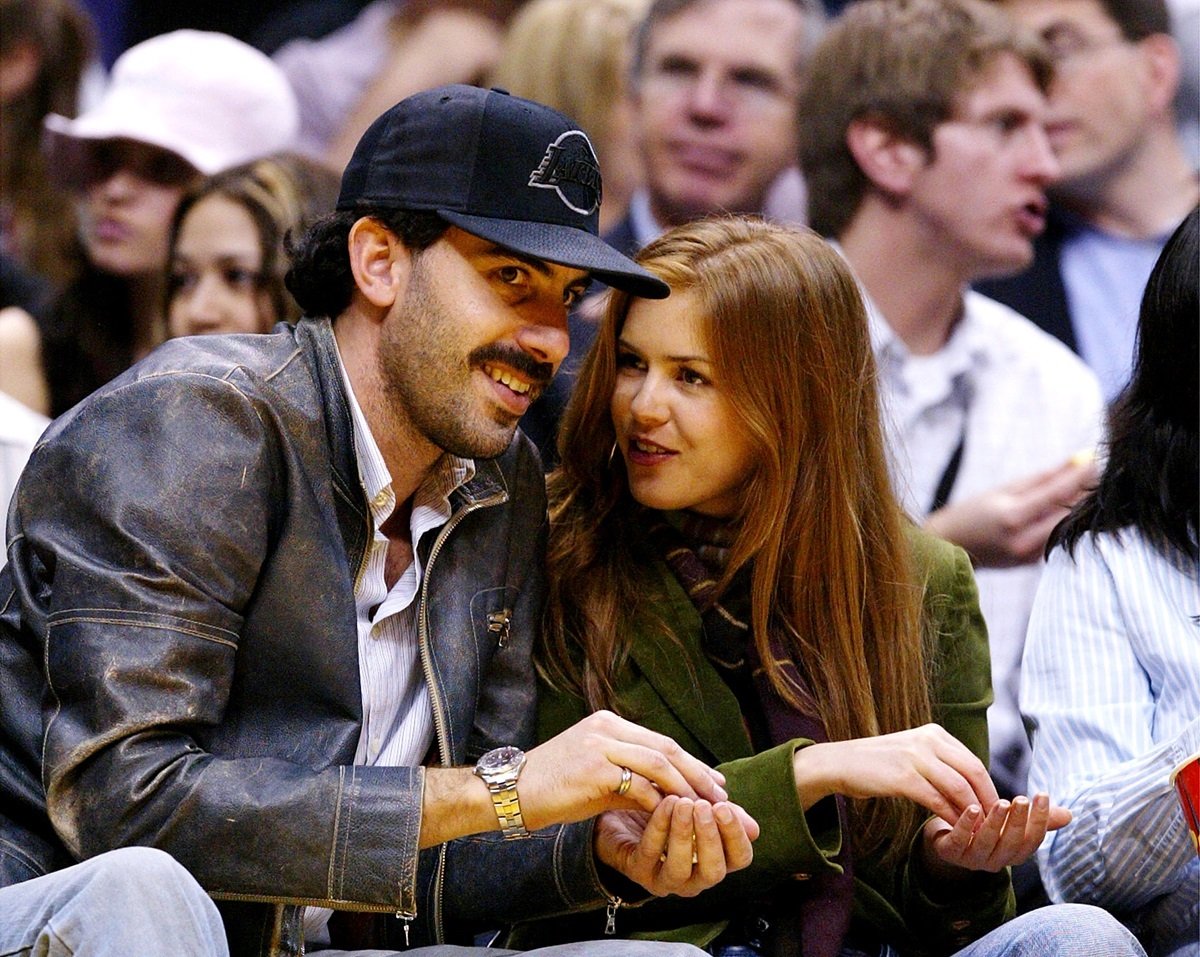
{"type": "Point", "coordinates": [500, 769]}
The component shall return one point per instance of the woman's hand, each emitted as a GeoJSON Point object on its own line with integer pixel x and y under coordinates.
{"type": "Point", "coordinates": [682, 848]}
{"type": "Point", "coordinates": [927, 765]}
{"type": "Point", "coordinates": [1009, 833]}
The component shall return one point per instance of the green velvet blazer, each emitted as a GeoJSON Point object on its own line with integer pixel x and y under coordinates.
{"type": "Point", "coordinates": [689, 701]}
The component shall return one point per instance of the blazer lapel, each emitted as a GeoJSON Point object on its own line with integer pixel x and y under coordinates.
{"type": "Point", "coordinates": [688, 686]}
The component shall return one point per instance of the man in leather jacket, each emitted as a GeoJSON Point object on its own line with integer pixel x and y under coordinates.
{"type": "Point", "coordinates": [268, 597]}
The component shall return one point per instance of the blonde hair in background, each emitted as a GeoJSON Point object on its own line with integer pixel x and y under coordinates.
{"type": "Point", "coordinates": [819, 526]}
{"type": "Point", "coordinates": [574, 55]}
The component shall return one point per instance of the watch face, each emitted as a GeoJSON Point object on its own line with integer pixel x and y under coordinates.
{"type": "Point", "coordinates": [501, 759]}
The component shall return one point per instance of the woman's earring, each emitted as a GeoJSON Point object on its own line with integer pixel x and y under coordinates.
{"type": "Point", "coordinates": [612, 453]}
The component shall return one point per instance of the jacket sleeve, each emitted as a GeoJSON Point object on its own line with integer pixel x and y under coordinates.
{"type": "Point", "coordinates": [142, 550]}
{"type": "Point", "coordinates": [945, 916]}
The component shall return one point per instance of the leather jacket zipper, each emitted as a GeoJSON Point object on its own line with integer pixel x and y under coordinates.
{"type": "Point", "coordinates": [435, 695]}
{"type": "Point", "coordinates": [610, 915]}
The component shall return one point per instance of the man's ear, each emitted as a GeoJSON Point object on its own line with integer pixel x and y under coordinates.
{"type": "Point", "coordinates": [888, 160]}
{"type": "Point", "coordinates": [1161, 55]}
{"type": "Point", "coordinates": [379, 261]}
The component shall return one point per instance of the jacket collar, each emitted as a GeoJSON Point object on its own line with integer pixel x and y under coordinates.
{"type": "Point", "coordinates": [692, 689]}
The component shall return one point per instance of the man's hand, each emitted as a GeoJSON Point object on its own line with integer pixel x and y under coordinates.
{"type": "Point", "coordinates": [683, 847]}
{"type": "Point", "coordinates": [576, 774]}
{"type": "Point", "coordinates": [1009, 833]}
{"type": "Point", "coordinates": [1008, 526]}
{"type": "Point", "coordinates": [573, 776]}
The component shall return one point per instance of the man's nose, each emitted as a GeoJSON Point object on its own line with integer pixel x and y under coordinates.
{"type": "Point", "coordinates": [546, 337]}
{"type": "Point", "coordinates": [1041, 164]}
{"type": "Point", "coordinates": [708, 96]}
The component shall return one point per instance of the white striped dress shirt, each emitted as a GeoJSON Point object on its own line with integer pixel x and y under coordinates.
{"type": "Point", "coordinates": [397, 725]}
{"type": "Point", "coordinates": [1111, 685]}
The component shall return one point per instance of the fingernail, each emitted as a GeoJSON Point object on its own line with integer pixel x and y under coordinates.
{"type": "Point", "coordinates": [724, 814]}
{"type": "Point", "coordinates": [1041, 801]}
{"type": "Point", "coordinates": [973, 810]}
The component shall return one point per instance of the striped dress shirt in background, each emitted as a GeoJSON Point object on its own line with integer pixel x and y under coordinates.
{"type": "Point", "coordinates": [1111, 687]}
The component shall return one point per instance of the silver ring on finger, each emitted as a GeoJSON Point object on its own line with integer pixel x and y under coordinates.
{"type": "Point", "coordinates": [626, 780]}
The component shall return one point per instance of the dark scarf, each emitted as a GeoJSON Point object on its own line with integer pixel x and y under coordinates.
{"type": "Point", "coordinates": [696, 549]}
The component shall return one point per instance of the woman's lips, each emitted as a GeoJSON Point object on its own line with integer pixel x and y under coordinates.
{"type": "Point", "coordinates": [644, 452]}
{"type": "Point", "coordinates": [110, 230]}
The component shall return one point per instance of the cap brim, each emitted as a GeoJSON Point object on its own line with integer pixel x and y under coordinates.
{"type": "Point", "coordinates": [566, 246]}
{"type": "Point", "coordinates": [65, 141]}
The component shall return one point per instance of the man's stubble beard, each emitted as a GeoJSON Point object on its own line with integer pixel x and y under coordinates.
{"type": "Point", "coordinates": [427, 376]}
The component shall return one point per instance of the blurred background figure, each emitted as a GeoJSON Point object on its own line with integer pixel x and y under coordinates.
{"type": "Point", "coordinates": [1127, 180]}
{"type": "Point", "coordinates": [716, 85]}
{"type": "Point", "coordinates": [177, 106]}
{"type": "Point", "coordinates": [925, 150]}
{"type": "Point", "coordinates": [46, 46]}
{"type": "Point", "coordinates": [391, 49]}
{"type": "Point", "coordinates": [20, 428]}
{"type": "Point", "coordinates": [574, 55]}
{"type": "Point", "coordinates": [1112, 662]}
{"type": "Point", "coordinates": [228, 259]}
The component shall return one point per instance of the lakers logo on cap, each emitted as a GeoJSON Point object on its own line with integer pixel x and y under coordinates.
{"type": "Point", "coordinates": [570, 169]}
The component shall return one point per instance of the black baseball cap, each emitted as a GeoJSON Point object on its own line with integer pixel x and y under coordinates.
{"type": "Point", "coordinates": [501, 167]}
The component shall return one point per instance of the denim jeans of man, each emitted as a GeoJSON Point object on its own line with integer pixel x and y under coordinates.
{"type": "Point", "coordinates": [131, 901]}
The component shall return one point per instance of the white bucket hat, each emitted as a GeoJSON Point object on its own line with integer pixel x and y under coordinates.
{"type": "Point", "coordinates": [207, 97]}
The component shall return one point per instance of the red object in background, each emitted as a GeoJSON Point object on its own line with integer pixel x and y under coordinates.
{"type": "Point", "coordinates": [1186, 780]}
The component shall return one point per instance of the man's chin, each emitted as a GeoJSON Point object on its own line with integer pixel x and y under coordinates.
{"type": "Point", "coordinates": [481, 444]}
{"type": "Point", "coordinates": [1004, 267]}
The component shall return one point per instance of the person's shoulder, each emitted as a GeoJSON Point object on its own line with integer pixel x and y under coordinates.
{"type": "Point", "coordinates": [1015, 341]}
{"type": "Point", "coordinates": [238, 356]}
{"type": "Point", "coordinates": [623, 237]}
{"type": "Point", "coordinates": [21, 373]}
{"type": "Point", "coordinates": [936, 562]}
{"type": "Point", "coordinates": [19, 424]}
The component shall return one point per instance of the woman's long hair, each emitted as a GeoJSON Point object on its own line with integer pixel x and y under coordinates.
{"type": "Point", "coordinates": [818, 526]}
{"type": "Point", "coordinates": [1151, 478]}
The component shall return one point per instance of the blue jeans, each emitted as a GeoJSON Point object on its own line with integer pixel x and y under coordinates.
{"type": "Point", "coordinates": [1059, 930]}
{"type": "Point", "coordinates": [584, 948]}
{"type": "Point", "coordinates": [135, 900]}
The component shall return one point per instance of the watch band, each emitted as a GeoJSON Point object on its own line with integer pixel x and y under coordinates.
{"type": "Point", "coordinates": [508, 811]}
